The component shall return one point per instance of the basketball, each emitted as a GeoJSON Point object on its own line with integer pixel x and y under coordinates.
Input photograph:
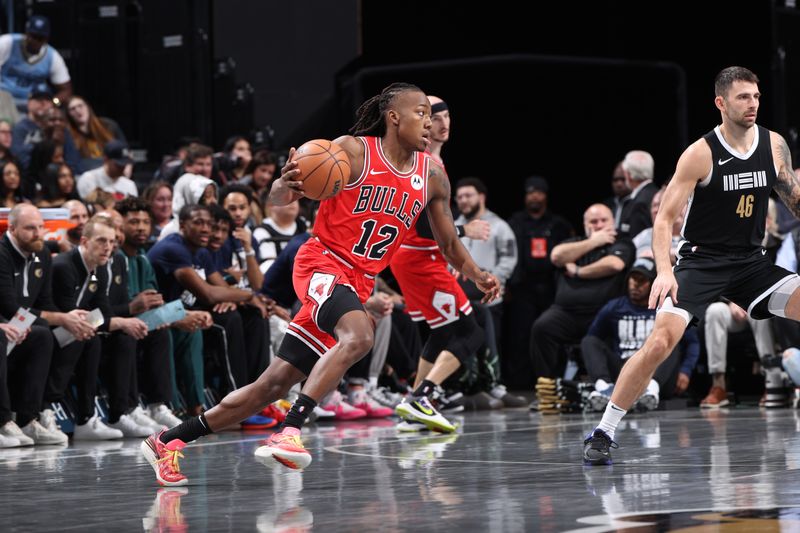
{"type": "Point", "coordinates": [324, 167]}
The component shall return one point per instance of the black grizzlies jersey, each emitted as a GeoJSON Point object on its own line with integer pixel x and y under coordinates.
{"type": "Point", "coordinates": [728, 209]}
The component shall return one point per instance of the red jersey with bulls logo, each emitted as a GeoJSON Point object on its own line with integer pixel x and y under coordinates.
{"type": "Point", "coordinates": [364, 224]}
{"type": "Point", "coordinates": [413, 240]}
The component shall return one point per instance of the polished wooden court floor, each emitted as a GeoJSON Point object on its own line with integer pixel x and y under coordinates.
{"type": "Point", "coordinates": [511, 470]}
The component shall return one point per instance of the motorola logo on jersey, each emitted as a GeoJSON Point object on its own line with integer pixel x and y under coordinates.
{"type": "Point", "coordinates": [416, 182]}
{"type": "Point", "coordinates": [745, 180]}
{"type": "Point", "coordinates": [382, 199]}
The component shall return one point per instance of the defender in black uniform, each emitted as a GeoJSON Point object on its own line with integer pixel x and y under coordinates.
{"type": "Point", "coordinates": [726, 177]}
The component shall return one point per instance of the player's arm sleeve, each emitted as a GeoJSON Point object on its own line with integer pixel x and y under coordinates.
{"type": "Point", "coordinates": [59, 74]}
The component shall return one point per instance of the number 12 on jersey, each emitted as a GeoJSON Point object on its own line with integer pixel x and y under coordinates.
{"type": "Point", "coordinates": [745, 207]}
{"type": "Point", "coordinates": [377, 250]}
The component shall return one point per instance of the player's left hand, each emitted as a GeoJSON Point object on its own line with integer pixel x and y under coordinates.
{"type": "Point", "coordinates": [489, 285]}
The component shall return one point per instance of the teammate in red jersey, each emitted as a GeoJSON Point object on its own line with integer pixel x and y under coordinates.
{"type": "Point", "coordinates": [433, 294]}
{"type": "Point", "coordinates": [355, 235]}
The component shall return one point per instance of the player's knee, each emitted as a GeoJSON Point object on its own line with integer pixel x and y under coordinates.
{"type": "Point", "coordinates": [362, 343]}
{"type": "Point", "coordinates": [659, 345]}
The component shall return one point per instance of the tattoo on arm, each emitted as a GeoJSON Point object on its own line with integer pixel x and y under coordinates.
{"type": "Point", "coordinates": [787, 185]}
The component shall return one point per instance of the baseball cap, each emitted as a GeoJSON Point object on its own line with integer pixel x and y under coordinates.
{"type": "Point", "coordinates": [118, 152]}
{"type": "Point", "coordinates": [536, 183]}
{"type": "Point", "coordinates": [38, 25]}
{"type": "Point", "coordinates": [41, 91]}
{"type": "Point", "coordinates": [644, 266]}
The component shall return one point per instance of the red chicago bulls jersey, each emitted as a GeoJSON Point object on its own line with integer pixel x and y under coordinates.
{"type": "Point", "coordinates": [413, 239]}
{"type": "Point", "coordinates": [365, 223]}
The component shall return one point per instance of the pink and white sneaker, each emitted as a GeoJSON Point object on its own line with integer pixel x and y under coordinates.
{"type": "Point", "coordinates": [164, 459]}
{"type": "Point", "coordinates": [359, 399]}
{"type": "Point", "coordinates": [286, 448]}
{"type": "Point", "coordinates": [343, 411]}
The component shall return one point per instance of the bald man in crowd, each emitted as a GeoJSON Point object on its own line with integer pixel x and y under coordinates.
{"type": "Point", "coordinates": [592, 273]}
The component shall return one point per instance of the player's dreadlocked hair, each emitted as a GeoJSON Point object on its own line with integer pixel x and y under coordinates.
{"type": "Point", "coordinates": [369, 117]}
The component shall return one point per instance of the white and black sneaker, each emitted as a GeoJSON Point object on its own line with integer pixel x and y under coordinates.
{"type": "Point", "coordinates": [420, 410]}
{"type": "Point", "coordinates": [649, 400]}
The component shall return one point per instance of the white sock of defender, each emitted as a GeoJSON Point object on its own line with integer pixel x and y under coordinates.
{"type": "Point", "coordinates": [611, 419]}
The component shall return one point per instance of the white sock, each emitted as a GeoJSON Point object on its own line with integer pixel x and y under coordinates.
{"type": "Point", "coordinates": [611, 419]}
{"type": "Point", "coordinates": [373, 382]}
{"type": "Point", "coordinates": [653, 388]}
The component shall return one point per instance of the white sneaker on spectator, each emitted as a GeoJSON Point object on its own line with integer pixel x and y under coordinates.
{"type": "Point", "coordinates": [130, 428]}
{"type": "Point", "coordinates": [11, 429]}
{"type": "Point", "coordinates": [95, 429]}
{"type": "Point", "coordinates": [43, 435]}
{"type": "Point", "coordinates": [163, 415]}
{"type": "Point", "coordinates": [8, 442]}
{"type": "Point", "coordinates": [143, 418]}
{"type": "Point", "coordinates": [649, 400]}
{"type": "Point", "coordinates": [324, 414]}
{"type": "Point", "coordinates": [384, 396]}
{"type": "Point", "coordinates": [342, 410]}
{"type": "Point", "coordinates": [47, 418]}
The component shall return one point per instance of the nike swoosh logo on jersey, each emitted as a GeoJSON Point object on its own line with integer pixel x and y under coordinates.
{"type": "Point", "coordinates": [374, 172]}
{"type": "Point", "coordinates": [721, 162]}
{"type": "Point", "coordinates": [763, 252]}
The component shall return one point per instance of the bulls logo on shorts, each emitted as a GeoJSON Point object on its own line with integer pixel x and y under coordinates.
{"type": "Point", "coordinates": [445, 303]}
{"type": "Point", "coordinates": [319, 287]}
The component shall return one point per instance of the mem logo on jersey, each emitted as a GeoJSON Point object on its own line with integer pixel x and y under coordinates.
{"type": "Point", "coordinates": [745, 180]}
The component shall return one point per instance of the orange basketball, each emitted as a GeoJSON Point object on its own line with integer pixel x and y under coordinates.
{"type": "Point", "coordinates": [324, 167]}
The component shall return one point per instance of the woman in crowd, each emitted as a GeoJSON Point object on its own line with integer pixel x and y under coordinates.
{"type": "Point", "coordinates": [10, 187]}
{"type": "Point", "coordinates": [58, 186]}
{"type": "Point", "coordinates": [44, 153]}
{"type": "Point", "coordinates": [90, 132]}
{"type": "Point", "coordinates": [158, 196]}
{"type": "Point", "coordinates": [260, 173]}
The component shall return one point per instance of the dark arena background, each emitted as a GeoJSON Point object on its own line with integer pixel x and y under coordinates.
{"type": "Point", "coordinates": [561, 90]}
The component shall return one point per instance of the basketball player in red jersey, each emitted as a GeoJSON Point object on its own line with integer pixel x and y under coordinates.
{"type": "Point", "coordinates": [355, 235]}
{"type": "Point", "coordinates": [432, 294]}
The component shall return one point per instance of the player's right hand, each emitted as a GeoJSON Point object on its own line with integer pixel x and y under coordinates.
{"type": "Point", "coordinates": [490, 286]}
{"type": "Point", "coordinates": [290, 172]}
{"type": "Point", "coordinates": [664, 285]}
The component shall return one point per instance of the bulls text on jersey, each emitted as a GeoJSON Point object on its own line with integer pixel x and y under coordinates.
{"type": "Point", "coordinates": [381, 199]}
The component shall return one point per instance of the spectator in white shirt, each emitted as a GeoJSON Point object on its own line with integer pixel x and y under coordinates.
{"type": "Point", "coordinates": [110, 177]}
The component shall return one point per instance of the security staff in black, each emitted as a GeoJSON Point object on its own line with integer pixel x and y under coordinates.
{"type": "Point", "coordinates": [726, 178]}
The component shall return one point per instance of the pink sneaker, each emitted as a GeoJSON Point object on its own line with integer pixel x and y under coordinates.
{"type": "Point", "coordinates": [359, 399]}
{"type": "Point", "coordinates": [286, 448]}
{"type": "Point", "coordinates": [164, 459]}
{"type": "Point", "coordinates": [334, 403]}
